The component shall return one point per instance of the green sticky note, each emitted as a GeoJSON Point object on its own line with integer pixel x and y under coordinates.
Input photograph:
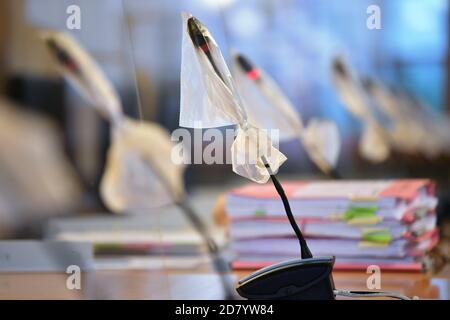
{"type": "Point", "coordinates": [359, 212]}
{"type": "Point", "coordinates": [260, 213]}
{"type": "Point", "coordinates": [377, 235]}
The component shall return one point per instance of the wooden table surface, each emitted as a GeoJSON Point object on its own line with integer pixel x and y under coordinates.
{"type": "Point", "coordinates": [189, 285]}
{"type": "Point", "coordinates": [203, 284]}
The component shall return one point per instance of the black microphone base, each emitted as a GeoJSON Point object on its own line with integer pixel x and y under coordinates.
{"type": "Point", "coordinates": [299, 279]}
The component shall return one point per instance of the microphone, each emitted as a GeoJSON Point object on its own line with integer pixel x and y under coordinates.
{"type": "Point", "coordinates": [62, 56]}
{"type": "Point", "coordinates": [307, 278]}
{"type": "Point", "coordinates": [254, 75]}
{"type": "Point", "coordinates": [251, 71]}
{"type": "Point", "coordinates": [201, 42]}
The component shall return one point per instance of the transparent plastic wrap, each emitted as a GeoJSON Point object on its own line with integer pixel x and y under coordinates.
{"type": "Point", "coordinates": [251, 151]}
{"type": "Point", "coordinates": [323, 143]}
{"type": "Point", "coordinates": [270, 109]}
{"type": "Point", "coordinates": [37, 178]}
{"type": "Point", "coordinates": [374, 143]}
{"type": "Point", "coordinates": [404, 136]}
{"type": "Point", "coordinates": [266, 105]}
{"type": "Point", "coordinates": [209, 99]}
{"type": "Point", "coordinates": [416, 129]}
{"type": "Point", "coordinates": [138, 174]}
{"type": "Point", "coordinates": [85, 74]}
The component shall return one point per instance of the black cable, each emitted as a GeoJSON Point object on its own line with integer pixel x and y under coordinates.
{"type": "Point", "coordinates": [372, 294]}
{"type": "Point", "coordinates": [220, 265]}
{"type": "Point", "coordinates": [304, 250]}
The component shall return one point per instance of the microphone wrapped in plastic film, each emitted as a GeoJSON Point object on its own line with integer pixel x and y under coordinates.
{"type": "Point", "coordinates": [415, 129]}
{"type": "Point", "coordinates": [374, 143]}
{"type": "Point", "coordinates": [36, 177]}
{"type": "Point", "coordinates": [270, 109]}
{"type": "Point", "coordinates": [209, 99]}
{"type": "Point", "coordinates": [138, 160]}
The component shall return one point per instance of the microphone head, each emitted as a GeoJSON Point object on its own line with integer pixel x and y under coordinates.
{"type": "Point", "coordinates": [250, 69]}
{"type": "Point", "coordinates": [61, 55]}
{"type": "Point", "coordinates": [200, 38]}
{"type": "Point", "coordinates": [244, 63]}
{"type": "Point", "coordinates": [340, 68]}
{"type": "Point", "coordinates": [195, 32]}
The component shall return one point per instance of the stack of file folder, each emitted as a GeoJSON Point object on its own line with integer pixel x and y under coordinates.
{"type": "Point", "coordinates": [389, 223]}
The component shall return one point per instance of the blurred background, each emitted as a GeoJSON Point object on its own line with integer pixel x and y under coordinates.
{"type": "Point", "coordinates": [138, 45]}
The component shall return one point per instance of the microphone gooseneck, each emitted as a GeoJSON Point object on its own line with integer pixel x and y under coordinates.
{"type": "Point", "coordinates": [304, 250]}
{"type": "Point", "coordinates": [220, 265]}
